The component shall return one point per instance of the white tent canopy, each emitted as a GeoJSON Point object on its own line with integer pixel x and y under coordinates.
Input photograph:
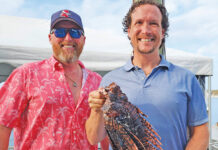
{"type": "Point", "coordinates": [105, 61]}
{"type": "Point", "coordinates": [199, 65]}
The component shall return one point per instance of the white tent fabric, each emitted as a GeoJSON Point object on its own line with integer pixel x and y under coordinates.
{"type": "Point", "coordinates": [106, 61]}
{"type": "Point", "coordinates": [199, 65]}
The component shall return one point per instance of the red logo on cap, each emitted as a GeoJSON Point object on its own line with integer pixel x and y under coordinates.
{"type": "Point", "coordinates": [65, 13]}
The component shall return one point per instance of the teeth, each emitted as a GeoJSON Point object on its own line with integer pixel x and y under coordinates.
{"type": "Point", "coordinates": [68, 46]}
{"type": "Point", "coordinates": [146, 40]}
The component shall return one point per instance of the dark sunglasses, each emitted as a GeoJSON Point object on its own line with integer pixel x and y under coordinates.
{"type": "Point", "coordinates": [62, 32]}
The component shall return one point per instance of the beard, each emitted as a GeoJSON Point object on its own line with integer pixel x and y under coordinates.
{"type": "Point", "coordinates": [66, 57]}
{"type": "Point", "coordinates": [141, 51]}
{"type": "Point", "coordinates": [146, 52]}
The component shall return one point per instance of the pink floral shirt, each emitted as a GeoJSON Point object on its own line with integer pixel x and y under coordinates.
{"type": "Point", "coordinates": [37, 102]}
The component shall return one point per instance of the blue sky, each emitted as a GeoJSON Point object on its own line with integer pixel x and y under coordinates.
{"type": "Point", "coordinates": [193, 24]}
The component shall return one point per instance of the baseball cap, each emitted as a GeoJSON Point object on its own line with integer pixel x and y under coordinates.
{"type": "Point", "coordinates": [66, 15]}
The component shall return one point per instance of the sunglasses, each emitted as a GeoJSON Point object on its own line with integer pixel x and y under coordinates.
{"type": "Point", "coordinates": [62, 32]}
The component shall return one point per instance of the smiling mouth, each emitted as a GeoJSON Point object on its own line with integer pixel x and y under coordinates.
{"type": "Point", "coordinates": [68, 46]}
{"type": "Point", "coordinates": [146, 40]}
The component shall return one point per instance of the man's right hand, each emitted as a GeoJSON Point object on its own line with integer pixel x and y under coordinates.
{"type": "Point", "coordinates": [96, 100]}
{"type": "Point", "coordinates": [95, 124]}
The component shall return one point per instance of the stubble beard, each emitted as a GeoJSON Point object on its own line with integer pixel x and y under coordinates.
{"type": "Point", "coordinates": [66, 58]}
{"type": "Point", "coordinates": [146, 52]}
{"type": "Point", "coordinates": [143, 52]}
{"type": "Point", "coordinates": [69, 59]}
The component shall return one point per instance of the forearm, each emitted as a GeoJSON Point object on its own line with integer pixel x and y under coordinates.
{"type": "Point", "coordinates": [196, 143]}
{"type": "Point", "coordinates": [4, 137]}
{"type": "Point", "coordinates": [199, 139]}
{"type": "Point", "coordinates": [95, 127]}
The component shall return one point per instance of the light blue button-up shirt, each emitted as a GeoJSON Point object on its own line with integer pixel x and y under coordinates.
{"type": "Point", "coordinates": [171, 97]}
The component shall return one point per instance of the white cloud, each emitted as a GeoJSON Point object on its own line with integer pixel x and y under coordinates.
{"type": "Point", "coordinates": [19, 31]}
{"type": "Point", "coordinates": [209, 49]}
{"type": "Point", "coordinates": [197, 26]}
{"type": "Point", "coordinates": [34, 33]}
{"type": "Point", "coordinates": [106, 40]}
{"type": "Point", "coordinates": [103, 22]}
{"type": "Point", "coordinates": [208, 2]}
{"type": "Point", "coordinates": [104, 14]}
{"type": "Point", "coordinates": [176, 6]}
{"type": "Point", "coordinates": [10, 6]}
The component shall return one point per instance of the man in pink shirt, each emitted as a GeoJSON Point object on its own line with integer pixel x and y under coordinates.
{"type": "Point", "coordinates": [46, 102]}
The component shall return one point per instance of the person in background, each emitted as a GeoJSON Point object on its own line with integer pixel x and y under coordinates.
{"type": "Point", "coordinates": [170, 95]}
{"type": "Point", "coordinates": [46, 102]}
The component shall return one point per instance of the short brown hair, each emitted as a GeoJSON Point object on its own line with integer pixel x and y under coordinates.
{"type": "Point", "coordinates": [127, 20]}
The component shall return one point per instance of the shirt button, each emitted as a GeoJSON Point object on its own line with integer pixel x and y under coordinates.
{"type": "Point", "coordinates": [74, 132]}
{"type": "Point", "coordinates": [75, 138]}
{"type": "Point", "coordinates": [69, 93]}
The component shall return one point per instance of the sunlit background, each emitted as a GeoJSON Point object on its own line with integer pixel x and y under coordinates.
{"type": "Point", "coordinates": [193, 25]}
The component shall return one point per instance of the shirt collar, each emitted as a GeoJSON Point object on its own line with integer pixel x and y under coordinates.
{"type": "Point", "coordinates": [57, 65]}
{"type": "Point", "coordinates": [129, 66]}
{"type": "Point", "coordinates": [163, 63]}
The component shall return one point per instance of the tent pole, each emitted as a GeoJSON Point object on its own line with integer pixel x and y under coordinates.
{"type": "Point", "coordinates": [209, 111]}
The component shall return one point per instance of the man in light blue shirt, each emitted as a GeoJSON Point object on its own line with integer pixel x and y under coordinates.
{"type": "Point", "coordinates": [170, 95]}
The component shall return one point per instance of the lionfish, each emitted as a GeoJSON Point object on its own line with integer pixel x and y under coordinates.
{"type": "Point", "coordinates": [125, 124]}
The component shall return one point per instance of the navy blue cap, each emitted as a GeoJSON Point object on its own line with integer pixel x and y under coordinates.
{"type": "Point", "coordinates": [66, 15]}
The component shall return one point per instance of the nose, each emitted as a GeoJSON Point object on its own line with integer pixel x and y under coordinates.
{"type": "Point", "coordinates": [146, 29]}
{"type": "Point", "coordinates": [68, 37]}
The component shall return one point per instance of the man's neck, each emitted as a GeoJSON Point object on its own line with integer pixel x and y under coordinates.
{"type": "Point", "coordinates": [72, 68]}
{"type": "Point", "coordinates": [147, 62]}
{"type": "Point", "coordinates": [73, 74]}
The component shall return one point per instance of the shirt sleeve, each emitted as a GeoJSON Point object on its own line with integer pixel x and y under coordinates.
{"type": "Point", "coordinates": [13, 98]}
{"type": "Point", "coordinates": [106, 80]}
{"type": "Point", "coordinates": [197, 113]}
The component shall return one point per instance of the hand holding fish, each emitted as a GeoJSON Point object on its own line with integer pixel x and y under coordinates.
{"type": "Point", "coordinates": [96, 100]}
{"type": "Point", "coordinates": [95, 124]}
